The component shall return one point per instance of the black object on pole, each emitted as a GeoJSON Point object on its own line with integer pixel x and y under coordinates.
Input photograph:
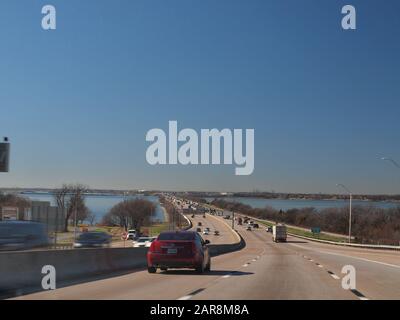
{"type": "Point", "coordinates": [4, 155]}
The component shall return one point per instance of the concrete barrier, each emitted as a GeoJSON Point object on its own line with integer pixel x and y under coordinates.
{"type": "Point", "coordinates": [23, 269]}
{"type": "Point", "coordinates": [220, 249]}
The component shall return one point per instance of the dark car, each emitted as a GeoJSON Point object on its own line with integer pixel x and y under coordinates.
{"type": "Point", "coordinates": [199, 224]}
{"type": "Point", "coordinates": [93, 240]}
{"type": "Point", "coordinates": [256, 226]}
{"type": "Point", "coordinates": [180, 249]}
{"type": "Point", "coordinates": [22, 235]}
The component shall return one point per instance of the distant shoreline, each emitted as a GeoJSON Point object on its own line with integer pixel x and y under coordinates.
{"type": "Point", "coordinates": [267, 196]}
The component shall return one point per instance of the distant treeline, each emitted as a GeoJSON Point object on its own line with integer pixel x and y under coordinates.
{"type": "Point", "coordinates": [286, 196]}
{"type": "Point", "coordinates": [370, 225]}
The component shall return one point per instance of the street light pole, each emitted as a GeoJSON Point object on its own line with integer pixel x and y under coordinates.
{"type": "Point", "coordinates": [351, 198]}
{"type": "Point", "coordinates": [75, 218]}
{"type": "Point", "coordinates": [392, 161]}
{"type": "Point", "coordinates": [233, 220]}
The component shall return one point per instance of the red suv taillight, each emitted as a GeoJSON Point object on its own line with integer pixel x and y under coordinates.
{"type": "Point", "coordinates": [155, 247]}
{"type": "Point", "coordinates": [194, 248]}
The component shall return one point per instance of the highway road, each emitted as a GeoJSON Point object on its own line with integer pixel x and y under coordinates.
{"type": "Point", "coordinates": [297, 269]}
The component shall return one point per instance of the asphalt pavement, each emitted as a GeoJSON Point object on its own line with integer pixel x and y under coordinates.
{"type": "Point", "coordinates": [298, 269]}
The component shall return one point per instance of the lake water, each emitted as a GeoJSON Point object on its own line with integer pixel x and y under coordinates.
{"type": "Point", "coordinates": [280, 204]}
{"type": "Point", "coordinates": [99, 205]}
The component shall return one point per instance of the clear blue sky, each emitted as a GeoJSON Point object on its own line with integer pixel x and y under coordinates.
{"type": "Point", "coordinates": [77, 102]}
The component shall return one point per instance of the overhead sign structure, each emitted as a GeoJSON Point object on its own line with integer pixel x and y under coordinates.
{"type": "Point", "coordinates": [4, 156]}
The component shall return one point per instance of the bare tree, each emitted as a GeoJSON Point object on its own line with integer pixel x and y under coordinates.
{"type": "Point", "coordinates": [91, 218]}
{"type": "Point", "coordinates": [70, 198]}
{"type": "Point", "coordinates": [11, 200]}
{"type": "Point", "coordinates": [131, 214]}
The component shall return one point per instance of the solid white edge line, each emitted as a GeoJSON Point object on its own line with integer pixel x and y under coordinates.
{"type": "Point", "coordinates": [334, 276]}
{"type": "Point", "coordinates": [185, 298]}
{"type": "Point", "coordinates": [347, 256]}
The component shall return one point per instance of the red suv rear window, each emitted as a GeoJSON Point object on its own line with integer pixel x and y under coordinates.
{"type": "Point", "coordinates": [176, 236]}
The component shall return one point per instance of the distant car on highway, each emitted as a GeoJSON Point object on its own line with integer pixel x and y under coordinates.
{"type": "Point", "coordinates": [248, 228]}
{"type": "Point", "coordinates": [206, 232]}
{"type": "Point", "coordinates": [269, 229]}
{"type": "Point", "coordinates": [22, 235]}
{"type": "Point", "coordinates": [199, 224]}
{"type": "Point", "coordinates": [131, 234]}
{"type": "Point", "coordinates": [256, 226]}
{"type": "Point", "coordinates": [180, 249]}
{"type": "Point", "coordinates": [95, 239]}
{"type": "Point", "coordinates": [143, 242]}
{"type": "Point", "coordinates": [198, 230]}
{"type": "Point", "coordinates": [216, 232]}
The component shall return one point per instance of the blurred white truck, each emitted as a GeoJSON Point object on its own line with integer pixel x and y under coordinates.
{"type": "Point", "coordinates": [279, 233]}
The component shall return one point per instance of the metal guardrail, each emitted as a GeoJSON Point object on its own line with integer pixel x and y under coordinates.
{"type": "Point", "coordinates": [345, 244]}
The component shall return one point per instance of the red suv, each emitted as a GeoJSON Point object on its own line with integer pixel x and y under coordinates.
{"type": "Point", "coordinates": [180, 249]}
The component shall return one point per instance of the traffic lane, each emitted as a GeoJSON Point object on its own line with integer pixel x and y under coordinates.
{"type": "Point", "coordinates": [385, 256]}
{"type": "Point", "coordinates": [174, 284]}
{"type": "Point", "coordinates": [229, 235]}
{"type": "Point", "coordinates": [237, 265]}
{"type": "Point", "coordinates": [274, 271]}
{"type": "Point", "coordinates": [374, 279]}
{"type": "Point", "coordinates": [279, 273]}
{"type": "Point", "coordinates": [277, 264]}
{"type": "Point", "coordinates": [141, 285]}
{"type": "Point", "coordinates": [226, 235]}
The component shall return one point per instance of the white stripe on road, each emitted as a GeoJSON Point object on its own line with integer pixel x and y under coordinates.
{"type": "Point", "coordinates": [334, 276]}
{"type": "Point", "coordinates": [226, 276]}
{"type": "Point", "coordinates": [344, 255]}
{"type": "Point", "coordinates": [185, 298]}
